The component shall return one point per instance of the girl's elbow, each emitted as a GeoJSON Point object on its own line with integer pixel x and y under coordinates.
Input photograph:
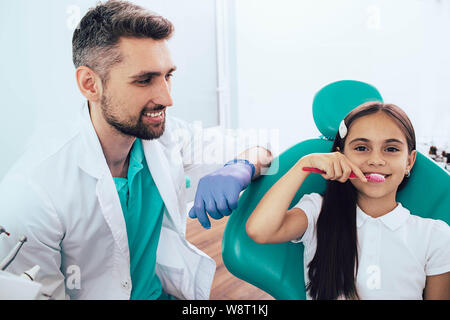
{"type": "Point", "coordinates": [255, 233]}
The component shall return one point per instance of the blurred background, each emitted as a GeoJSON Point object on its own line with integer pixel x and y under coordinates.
{"type": "Point", "coordinates": [242, 64]}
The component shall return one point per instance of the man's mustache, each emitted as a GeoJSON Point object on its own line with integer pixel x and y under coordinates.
{"type": "Point", "coordinates": [155, 109]}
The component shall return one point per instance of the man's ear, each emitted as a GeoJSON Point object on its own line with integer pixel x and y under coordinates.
{"type": "Point", "coordinates": [89, 83]}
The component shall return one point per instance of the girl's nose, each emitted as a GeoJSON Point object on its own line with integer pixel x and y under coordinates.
{"type": "Point", "coordinates": [376, 160]}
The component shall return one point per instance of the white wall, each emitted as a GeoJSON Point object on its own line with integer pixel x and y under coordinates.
{"type": "Point", "coordinates": [37, 82]}
{"type": "Point", "coordinates": [288, 49]}
{"type": "Point", "coordinates": [282, 52]}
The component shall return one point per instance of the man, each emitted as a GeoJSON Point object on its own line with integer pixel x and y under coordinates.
{"type": "Point", "coordinates": [104, 209]}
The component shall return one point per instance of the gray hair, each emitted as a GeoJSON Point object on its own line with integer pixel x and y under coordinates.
{"type": "Point", "coordinates": [95, 40]}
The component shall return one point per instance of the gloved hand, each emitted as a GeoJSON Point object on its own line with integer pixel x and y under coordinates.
{"type": "Point", "coordinates": [218, 192]}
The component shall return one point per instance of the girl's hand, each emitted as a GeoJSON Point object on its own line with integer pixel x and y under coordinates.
{"type": "Point", "coordinates": [336, 165]}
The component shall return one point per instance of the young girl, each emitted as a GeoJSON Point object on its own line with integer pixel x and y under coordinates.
{"type": "Point", "coordinates": [359, 242]}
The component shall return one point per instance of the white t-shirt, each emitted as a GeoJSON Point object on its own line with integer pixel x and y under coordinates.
{"type": "Point", "coordinates": [397, 251]}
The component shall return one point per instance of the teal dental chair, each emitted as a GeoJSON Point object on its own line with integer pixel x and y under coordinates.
{"type": "Point", "coordinates": [278, 268]}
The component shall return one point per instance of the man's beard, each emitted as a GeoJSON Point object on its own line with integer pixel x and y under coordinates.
{"type": "Point", "coordinates": [132, 127]}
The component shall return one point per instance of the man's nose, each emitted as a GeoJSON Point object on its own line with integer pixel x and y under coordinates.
{"type": "Point", "coordinates": [162, 94]}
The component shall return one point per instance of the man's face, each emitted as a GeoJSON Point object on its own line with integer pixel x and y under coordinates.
{"type": "Point", "coordinates": [137, 92]}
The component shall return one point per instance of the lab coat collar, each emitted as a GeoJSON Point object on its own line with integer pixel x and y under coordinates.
{"type": "Point", "coordinates": [393, 220]}
{"type": "Point", "coordinates": [93, 161]}
{"type": "Point", "coordinates": [91, 158]}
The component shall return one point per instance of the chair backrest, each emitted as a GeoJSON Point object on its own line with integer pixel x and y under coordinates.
{"type": "Point", "coordinates": [278, 268]}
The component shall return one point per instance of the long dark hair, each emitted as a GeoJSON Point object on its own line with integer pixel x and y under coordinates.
{"type": "Point", "coordinates": [332, 271]}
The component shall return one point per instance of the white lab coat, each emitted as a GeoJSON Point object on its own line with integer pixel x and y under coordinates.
{"type": "Point", "coordinates": [65, 201]}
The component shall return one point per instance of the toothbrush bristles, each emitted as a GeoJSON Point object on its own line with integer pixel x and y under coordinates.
{"type": "Point", "coordinates": [375, 177]}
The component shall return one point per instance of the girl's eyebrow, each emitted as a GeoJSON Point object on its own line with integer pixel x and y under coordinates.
{"type": "Point", "coordinates": [359, 139]}
{"type": "Point", "coordinates": [393, 140]}
{"type": "Point", "coordinates": [367, 140]}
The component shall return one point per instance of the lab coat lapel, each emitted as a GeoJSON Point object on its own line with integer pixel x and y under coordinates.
{"type": "Point", "coordinates": [112, 212]}
{"type": "Point", "coordinates": [161, 172]}
{"type": "Point", "coordinates": [92, 160]}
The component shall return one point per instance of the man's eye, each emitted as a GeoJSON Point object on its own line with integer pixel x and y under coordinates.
{"type": "Point", "coordinates": [360, 148]}
{"type": "Point", "coordinates": [143, 82]}
{"type": "Point", "coordinates": [392, 149]}
{"type": "Point", "coordinates": [168, 76]}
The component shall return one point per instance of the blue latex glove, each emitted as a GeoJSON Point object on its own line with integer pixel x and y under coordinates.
{"type": "Point", "coordinates": [218, 192]}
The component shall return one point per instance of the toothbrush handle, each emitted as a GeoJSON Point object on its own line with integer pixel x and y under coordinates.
{"type": "Point", "coordinates": [315, 170]}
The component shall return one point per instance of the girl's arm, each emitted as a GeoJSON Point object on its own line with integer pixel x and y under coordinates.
{"type": "Point", "coordinates": [437, 287]}
{"type": "Point", "coordinates": [271, 221]}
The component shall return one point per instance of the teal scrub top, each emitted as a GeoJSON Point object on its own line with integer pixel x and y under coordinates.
{"type": "Point", "coordinates": [143, 209]}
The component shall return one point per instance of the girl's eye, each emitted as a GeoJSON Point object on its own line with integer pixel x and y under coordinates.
{"type": "Point", "coordinates": [392, 149]}
{"type": "Point", "coordinates": [169, 76]}
{"type": "Point", "coordinates": [360, 148]}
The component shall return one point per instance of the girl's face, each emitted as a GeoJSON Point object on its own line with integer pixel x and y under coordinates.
{"type": "Point", "coordinates": [376, 144]}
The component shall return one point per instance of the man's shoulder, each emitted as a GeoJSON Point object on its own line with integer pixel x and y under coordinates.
{"type": "Point", "coordinates": [45, 153]}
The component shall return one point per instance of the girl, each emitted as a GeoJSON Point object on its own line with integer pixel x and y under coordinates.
{"type": "Point", "coordinates": [359, 242]}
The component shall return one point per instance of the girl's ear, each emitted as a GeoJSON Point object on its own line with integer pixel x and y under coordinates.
{"type": "Point", "coordinates": [411, 160]}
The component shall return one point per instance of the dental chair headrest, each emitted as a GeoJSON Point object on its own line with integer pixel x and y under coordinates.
{"type": "Point", "coordinates": [334, 101]}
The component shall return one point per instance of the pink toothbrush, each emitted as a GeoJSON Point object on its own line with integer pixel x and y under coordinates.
{"type": "Point", "coordinates": [373, 177]}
